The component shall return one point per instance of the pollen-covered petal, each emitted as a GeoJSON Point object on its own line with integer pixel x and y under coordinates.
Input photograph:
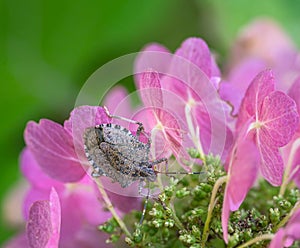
{"type": "Point", "coordinates": [279, 118]}
{"type": "Point", "coordinates": [43, 226]}
{"type": "Point", "coordinates": [53, 149]}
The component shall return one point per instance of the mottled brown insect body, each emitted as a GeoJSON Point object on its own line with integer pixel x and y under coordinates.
{"type": "Point", "coordinates": [115, 152]}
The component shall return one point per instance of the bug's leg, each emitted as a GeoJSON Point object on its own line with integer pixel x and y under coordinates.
{"type": "Point", "coordinates": [140, 128]}
{"type": "Point", "coordinates": [145, 206]}
{"type": "Point", "coordinates": [158, 161]}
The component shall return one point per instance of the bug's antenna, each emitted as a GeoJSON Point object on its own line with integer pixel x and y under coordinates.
{"type": "Point", "coordinates": [140, 128]}
{"type": "Point", "coordinates": [121, 117]}
{"type": "Point", "coordinates": [181, 173]}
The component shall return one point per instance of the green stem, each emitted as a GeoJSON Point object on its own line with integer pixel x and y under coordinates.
{"type": "Point", "coordinates": [257, 239]}
{"type": "Point", "coordinates": [286, 218]}
{"type": "Point", "coordinates": [211, 206]}
{"type": "Point", "coordinates": [178, 223]}
{"type": "Point", "coordinates": [286, 176]}
{"type": "Point", "coordinates": [111, 208]}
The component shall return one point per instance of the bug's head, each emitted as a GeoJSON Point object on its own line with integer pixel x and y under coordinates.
{"type": "Point", "coordinates": [149, 174]}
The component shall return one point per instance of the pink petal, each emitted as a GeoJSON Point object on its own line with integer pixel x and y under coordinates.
{"type": "Point", "coordinates": [81, 118]}
{"type": "Point", "coordinates": [53, 149]}
{"type": "Point", "coordinates": [85, 116]}
{"type": "Point", "coordinates": [286, 152]}
{"type": "Point", "coordinates": [34, 174]}
{"type": "Point", "coordinates": [117, 101]}
{"type": "Point", "coordinates": [294, 93]}
{"type": "Point", "coordinates": [277, 241]}
{"type": "Point", "coordinates": [215, 136]}
{"type": "Point", "coordinates": [261, 86]}
{"type": "Point", "coordinates": [87, 237]}
{"type": "Point", "coordinates": [242, 174]}
{"type": "Point", "coordinates": [271, 163]}
{"type": "Point", "coordinates": [43, 226]}
{"type": "Point", "coordinates": [153, 56]}
{"type": "Point", "coordinates": [280, 119]}
{"type": "Point", "coordinates": [55, 218]}
{"type": "Point", "coordinates": [234, 88]}
{"type": "Point", "coordinates": [34, 195]}
{"type": "Point", "coordinates": [197, 52]}
{"type": "Point", "coordinates": [150, 89]}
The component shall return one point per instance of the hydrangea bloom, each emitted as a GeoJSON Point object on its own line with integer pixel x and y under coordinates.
{"type": "Point", "coordinates": [186, 84]}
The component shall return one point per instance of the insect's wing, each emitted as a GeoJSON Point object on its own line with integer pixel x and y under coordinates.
{"type": "Point", "coordinates": [125, 142]}
{"type": "Point", "coordinates": [104, 159]}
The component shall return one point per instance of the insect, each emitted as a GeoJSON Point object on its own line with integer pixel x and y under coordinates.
{"type": "Point", "coordinates": [113, 151]}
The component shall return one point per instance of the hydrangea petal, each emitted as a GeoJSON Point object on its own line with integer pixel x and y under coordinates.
{"type": "Point", "coordinates": [261, 86]}
{"type": "Point", "coordinates": [279, 117]}
{"type": "Point", "coordinates": [242, 174]}
{"type": "Point", "coordinates": [53, 149]}
{"type": "Point", "coordinates": [294, 93]}
{"type": "Point", "coordinates": [43, 226]}
{"type": "Point", "coordinates": [234, 87]}
{"type": "Point", "coordinates": [277, 241]}
{"type": "Point", "coordinates": [271, 163]}
{"type": "Point", "coordinates": [33, 172]}
{"type": "Point", "coordinates": [150, 89]}
{"type": "Point", "coordinates": [152, 56]}
{"type": "Point", "coordinates": [118, 103]}
{"type": "Point", "coordinates": [81, 118]}
{"type": "Point", "coordinates": [197, 52]}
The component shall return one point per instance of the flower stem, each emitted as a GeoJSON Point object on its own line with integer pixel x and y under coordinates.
{"type": "Point", "coordinates": [286, 218]}
{"type": "Point", "coordinates": [111, 208]}
{"type": "Point", "coordinates": [211, 206]}
{"type": "Point", "coordinates": [257, 239]}
{"type": "Point", "coordinates": [286, 176]}
{"type": "Point", "coordinates": [176, 220]}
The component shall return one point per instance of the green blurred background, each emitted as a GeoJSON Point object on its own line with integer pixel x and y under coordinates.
{"type": "Point", "coordinates": [49, 48]}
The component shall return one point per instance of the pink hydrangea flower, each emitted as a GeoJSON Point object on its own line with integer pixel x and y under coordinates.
{"type": "Point", "coordinates": [167, 136]}
{"type": "Point", "coordinates": [271, 118]}
{"type": "Point", "coordinates": [186, 82]}
{"type": "Point", "coordinates": [267, 120]}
